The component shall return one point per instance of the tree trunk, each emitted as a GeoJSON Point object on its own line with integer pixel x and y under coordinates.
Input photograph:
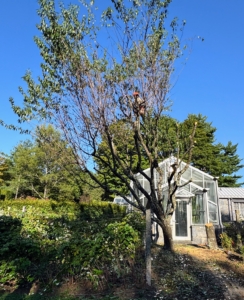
{"type": "Point", "coordinates": [167, 231]}
{"type": "Point", "coordinates": [16, 192]}
{"type": "Point", "coordinates": [17, 189]}
{"type": "Point", "coordinates": [45, 192]}
{"type": "Point", "coordinates": [148, 244]}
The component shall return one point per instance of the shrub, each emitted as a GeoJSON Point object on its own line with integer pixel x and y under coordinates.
{"type": "Point", "coordinates": [235, 231]}
{"type": "Point", "coordinates": [242, 251]}
{"type": "Point", "coordinates": [226, 241]}
{"type": "Point", "coordinates": [16, 253]}
{"type": "Point", "coordinates": [137, 221]}
{"type": "Point", "coordinates": [54, 240]}
{"type": "Point", "coordinates": [96, 209]}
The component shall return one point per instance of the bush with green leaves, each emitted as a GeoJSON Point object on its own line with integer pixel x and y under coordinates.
{"type": "Point", "coordinates": [226, 241]}
{"type": "Point", "coordinates": [49, 240]}
{"type": "Point", "coordinates": [233, 236]}
{"type": "Point", "coordinates": [242, 251]}
{"type": "Point", "coordinates": [137, 220]}
{"type": "Point", "coordinates": [235, 230]}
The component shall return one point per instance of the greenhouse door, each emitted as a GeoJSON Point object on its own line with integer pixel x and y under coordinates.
{"type": "Point", "coordinates": [181, 228]}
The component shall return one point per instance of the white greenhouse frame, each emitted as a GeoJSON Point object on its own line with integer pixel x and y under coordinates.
{"type": "Point", "coordinates": [201, 196]}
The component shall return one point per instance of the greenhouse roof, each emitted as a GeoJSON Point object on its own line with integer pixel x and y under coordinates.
{"type": "Point", "coordinates": [191, 172]}
{"type": "Point", "coordinates": [183, 193]}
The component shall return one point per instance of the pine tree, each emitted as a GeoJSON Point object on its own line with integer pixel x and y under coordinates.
{"type": "Point", "coordinates": [211, 157]}
{"type": "Point", "coordinates": [230, 165]}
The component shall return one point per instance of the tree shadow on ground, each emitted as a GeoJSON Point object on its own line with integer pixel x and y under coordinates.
{"type": "Point", "coordinates": [180, 276]}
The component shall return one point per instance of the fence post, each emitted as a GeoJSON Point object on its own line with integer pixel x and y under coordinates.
{"type": "Point", "coordinates": [238, 229]}
{"type": "Point", "coordinates": [148, 244]}
{"type": "Point", "coordinates": [211, 237]}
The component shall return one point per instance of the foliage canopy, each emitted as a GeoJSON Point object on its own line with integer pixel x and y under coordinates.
{"type": "Point", "coordinates": [88, 85]}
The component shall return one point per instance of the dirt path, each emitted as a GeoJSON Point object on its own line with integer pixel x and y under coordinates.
{"type": "Point", "coordinates": [191, 273]}
{"type": "Point", "coordinates": [226, 266]}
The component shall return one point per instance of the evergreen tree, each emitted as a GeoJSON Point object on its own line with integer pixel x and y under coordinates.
{"type": "Point", "coordinates": [211, 157]}
{"type": "Point", "coordinates": [230, 164]}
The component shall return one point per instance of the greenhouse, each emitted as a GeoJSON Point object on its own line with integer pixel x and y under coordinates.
{"type": "Point", "coordinates": [197, 203]}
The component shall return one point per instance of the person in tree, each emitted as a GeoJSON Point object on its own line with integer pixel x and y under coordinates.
{"type": "Point", "coordinates": [139, 105]}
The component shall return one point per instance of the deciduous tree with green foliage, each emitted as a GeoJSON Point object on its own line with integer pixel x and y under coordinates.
{"type": "Point", "coordinates": [45, 168]}
{"type": "Point", "coordinates": [91, 69]}
{"type": "Point", "coordinates": [23, 169]}
{"type": "Point", "coordinates": [3, 169]}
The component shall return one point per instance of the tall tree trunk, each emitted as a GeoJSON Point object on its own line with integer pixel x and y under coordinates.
{"type": "Point", "coordinates": [168, 236]}
{"type": "Point", "coordinates": [17, 189]}
{"type": "Point", "coordinates": [148, 244]}
{"type": "Point", "coordinates": [45, 192]}
{"type": "Point", "coordinates": [16, 192]}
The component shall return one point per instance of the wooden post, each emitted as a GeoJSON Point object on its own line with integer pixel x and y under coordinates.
{"type": "Point", "coordinates": [148, 244]}
{"type": "Point", "coordinates": [237, 212]}
{"type": "Point", "coordinates": [238, 230]}
{"type": "Point", "coordinates": [211, 237]}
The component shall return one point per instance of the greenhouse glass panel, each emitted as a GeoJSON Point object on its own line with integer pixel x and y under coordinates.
{"type": "Point", "coordinates": [210, 185]}
{"type": "Point", "coordinates": [138, 192]}
{"type": "Point", "coordinates": [207, 177]}
{"type": "Point", "coordinates": [212, 208]}
{"type": "Point", "coordinates": [187, 174]}
{"type": "Point", "coordinates": [147, 172]}
{"type": "Point", "coordinates": [199, 183]}
{"type": "Point", "coordinates": [181, 218]}
{"type": "Point", "coordinates": [186, 187]}
{"type": "Point", "coordinates": [141, 181]}
{"type": "Point", "coordinates": [198, 209]}
{"type": "Point", "coordinates": [197, 177]}
{"type": "Point", "coordinates": [193, 189]}
{"type": "Point", "coordinates": [146, 185]}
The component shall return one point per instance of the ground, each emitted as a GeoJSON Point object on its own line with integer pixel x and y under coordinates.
{"type": "Point", "coordinates": [192, 272]}
{"type": "Point", "coordinates": [217, 272]}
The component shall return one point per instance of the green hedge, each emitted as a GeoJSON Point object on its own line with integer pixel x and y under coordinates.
{"type": "Point", "coordinates": [5, 194]}
{"type": "Point", "coordinates": [96, 209]}
{"type": "Point", "coordinates": [50, 241]}
{"type": "Point", "coordinates": [89, 210]}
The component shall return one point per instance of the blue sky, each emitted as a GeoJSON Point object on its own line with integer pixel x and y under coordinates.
{"type": "Point", "coordinates": [210, 83]}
